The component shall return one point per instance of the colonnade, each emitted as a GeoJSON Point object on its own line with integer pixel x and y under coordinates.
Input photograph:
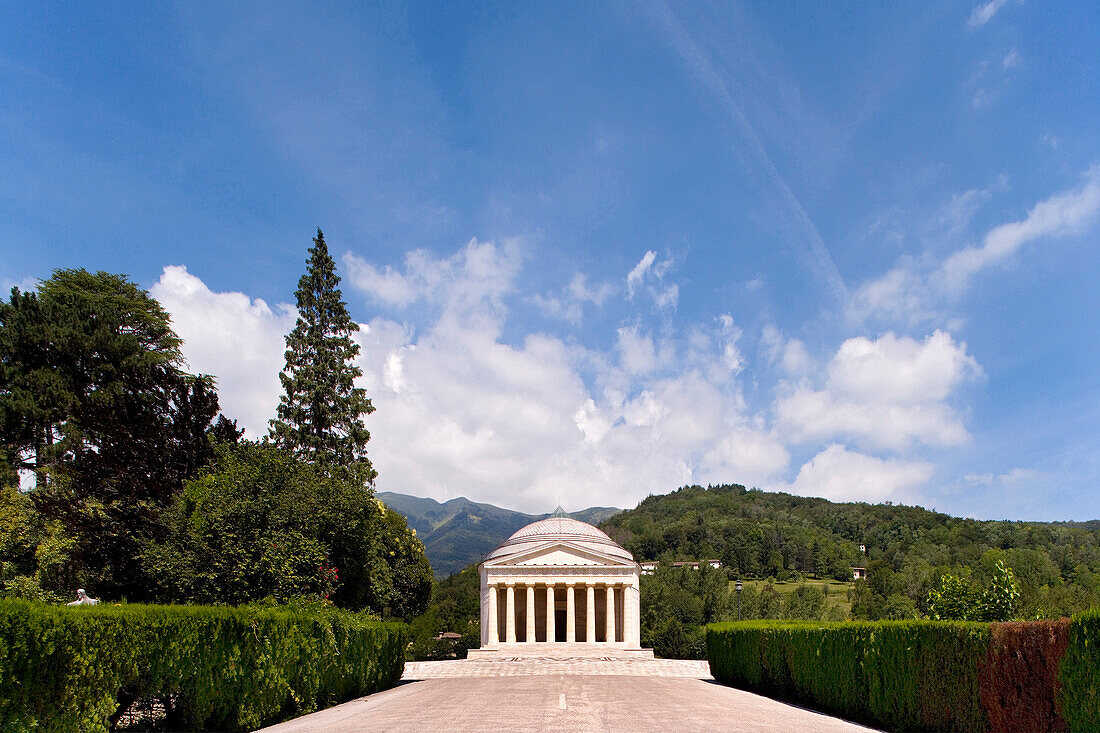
{"type": "Point", "coordinates": [619, 601]}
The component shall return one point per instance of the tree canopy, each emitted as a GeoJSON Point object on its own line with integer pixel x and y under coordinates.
{"type": "Point", "coordinates": [259, 523]}
{"type": "Point", "coordinates": [94, 401]}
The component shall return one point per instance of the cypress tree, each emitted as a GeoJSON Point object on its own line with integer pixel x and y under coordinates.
{"type": "Point", "coordinates": [320, 415]}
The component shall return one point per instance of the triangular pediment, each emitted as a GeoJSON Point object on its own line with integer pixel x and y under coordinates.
{"type": "Point", "coordinates": [559, 554]}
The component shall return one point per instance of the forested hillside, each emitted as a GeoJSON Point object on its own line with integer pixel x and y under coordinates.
{"type": "Point", "coordinates": [759, 534]}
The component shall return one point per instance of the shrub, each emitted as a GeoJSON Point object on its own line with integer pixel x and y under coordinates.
{"type": "Point", "coordinates": [221, 668]}
{"type": "Point", "coordinates": [1080, 673]}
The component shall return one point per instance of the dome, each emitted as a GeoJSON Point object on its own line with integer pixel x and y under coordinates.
{"type": "Point", "coordinates": [559, 528]}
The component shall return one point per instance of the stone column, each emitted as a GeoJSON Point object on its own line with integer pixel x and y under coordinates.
{"type": "Point", "coordinates": [570, 613]}
{"type": "Point", "coordinates": [590, 612]}
{"type": "Point", "coordinates": [530, 613]}
{"type": "Point", "coordinates": [510, 609]}
{"type": "Point", "coordinates": [631, 617]}
{"type": "Point", "coordinates": [610, 614]}
{"type": "Point", "coordinates": [492, 635]}
{"type": "Point", "coordinates": [550, 629]}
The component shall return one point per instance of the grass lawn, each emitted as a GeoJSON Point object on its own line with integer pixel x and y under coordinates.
{"type": "Point", "coordinates": [836, 591]}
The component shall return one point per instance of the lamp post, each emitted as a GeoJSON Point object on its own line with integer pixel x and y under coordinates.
{"type": "Point", "coordinates": [737, 587]}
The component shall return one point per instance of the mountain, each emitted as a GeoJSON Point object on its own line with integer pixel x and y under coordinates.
{"type": "Point", "coordinates": [458, 532]}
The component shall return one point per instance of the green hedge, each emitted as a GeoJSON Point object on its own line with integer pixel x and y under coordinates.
{"type": "Point", "coordinates": [905, 675]}
{"type": "Point", "coordinates": [923, 675]}
{"type": "Point", "coordinates": [67, 669]}
{"type": "Point", "coordinates": [1080, 673]}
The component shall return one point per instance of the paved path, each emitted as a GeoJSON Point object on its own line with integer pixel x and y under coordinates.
{"type": "Point", "coordinates": [563, 695]}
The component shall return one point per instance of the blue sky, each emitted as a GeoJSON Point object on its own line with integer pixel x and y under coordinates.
{"type": "Point", "coordinates": [601, 250]}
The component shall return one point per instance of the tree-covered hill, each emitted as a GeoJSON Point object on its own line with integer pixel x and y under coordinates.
{"type": "Point", "coordinates": [759, 534]}
{"type": "Point", "coordinates": [458, 532]}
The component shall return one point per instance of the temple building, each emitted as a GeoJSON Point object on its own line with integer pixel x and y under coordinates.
{"type": "Point", "coordinates": [559, 581]}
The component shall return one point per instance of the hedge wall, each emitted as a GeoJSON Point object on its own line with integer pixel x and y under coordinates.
{"type": "Point", "coordinates": [1080, 673]}
{"type": "Point", "coordinates": [222, 668]}
{"type": "Point", "coordinates": [923, 675]}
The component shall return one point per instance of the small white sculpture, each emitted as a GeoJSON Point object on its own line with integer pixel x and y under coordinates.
{"type": "Point", "coordinates": [83, 599]}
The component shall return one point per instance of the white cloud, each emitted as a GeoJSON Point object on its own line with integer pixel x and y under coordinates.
{"type": "Point", "coordinates": [651, 273]}
{"type": "Point", "coordinates": [842, 475]}
{"type": "Point", "coordinates": [1060, 215]}
{"type": "Point", "coordinates": [635, 276]}
{"type": "Point", "coordinates": [1013, 478]}
{"type": "Point", "coordinates": [888, 393]}
{"type": "Point", "coordinates": [461, 412]}
{"type": "Point", "coordinates": [569, 304]}
{"type": "Point", "coordinates": [1012, 60]}
{"type": "Point", "coordinates": [479, 272]}
{"type": "Point", "coordinates": [790, 354]}
{"type": "Point", "coordinates": [637, 354]}
{"type": "Point", "coordinates": [983, 13]}
{"type": "Point", "coordinates": [916, 291]}
{"type": "Point", "coordinates": [239, 340]}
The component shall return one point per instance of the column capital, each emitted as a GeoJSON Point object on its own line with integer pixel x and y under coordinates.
{"type": "Point", "coordinates": [507, 583]}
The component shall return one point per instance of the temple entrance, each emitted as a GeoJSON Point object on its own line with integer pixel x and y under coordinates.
{"type": "Point", "coordinates": [559, 624]}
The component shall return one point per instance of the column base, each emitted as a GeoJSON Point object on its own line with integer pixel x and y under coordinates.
{"type": "Point", "coordinates": [559, 650]}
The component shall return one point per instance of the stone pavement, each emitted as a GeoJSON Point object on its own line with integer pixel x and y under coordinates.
{"type": "Point", "coordinates": [565, 703]}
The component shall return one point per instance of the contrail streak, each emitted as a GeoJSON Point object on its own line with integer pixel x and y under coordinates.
{"type": "Point", "coordinates": [816, 252]}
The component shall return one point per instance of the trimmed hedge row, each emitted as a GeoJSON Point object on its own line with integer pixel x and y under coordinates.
{"type": "Point", "coordinates": [923, 675]}
{"type": "Point", "coordinates": [222, 668]}
{"type": "Point", "coordinates": [1080, 673]}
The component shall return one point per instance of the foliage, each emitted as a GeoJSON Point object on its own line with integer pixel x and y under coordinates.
{"type": "Point", "coordinates": [956, 599]}
{"type": "Point", "coordinates": [213, 668]}
{"type": "Point", "coordinates": [1080, 673]}
{"type": "Point", "coordinates": [320, 415]}
{"type": "Point", "coordinates": [1019, 683]}
{"type": "Point", "coordinates": [455, 606]}
{"type": "Point", "coordinates": [93, 400]}
{"type": "Point", "coordinates": [903, 675]}
{"type": "Point", "coordinates": [259, 522]}
{"type": "Point", "coordinates": [675, 604]}
{"type": "Point", "coordinates": [758, 534]}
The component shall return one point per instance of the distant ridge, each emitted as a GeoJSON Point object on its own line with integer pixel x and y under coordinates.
{"type": "Point", "coordinates": [458, 532]}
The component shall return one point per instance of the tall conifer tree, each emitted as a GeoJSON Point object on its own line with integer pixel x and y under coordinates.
{"type": "Point", "coordinates": [320, 415]}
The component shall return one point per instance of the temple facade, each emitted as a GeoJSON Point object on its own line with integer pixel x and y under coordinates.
{"type": "Point", "coordinates": [559, 581]}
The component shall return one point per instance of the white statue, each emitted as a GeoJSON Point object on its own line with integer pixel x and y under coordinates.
{"type": "Point", "coordinates": [83, 599]}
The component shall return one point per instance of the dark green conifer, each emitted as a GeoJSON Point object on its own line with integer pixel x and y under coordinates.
{"type": "Point", "coordinates": [320, 415]}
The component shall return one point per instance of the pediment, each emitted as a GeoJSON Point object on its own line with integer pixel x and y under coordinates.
{"type": "Point", "coordinates": [558, 554]}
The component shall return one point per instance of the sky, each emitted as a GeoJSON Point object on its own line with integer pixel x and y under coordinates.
{"type": "Point", "coordinates": [600, 250]}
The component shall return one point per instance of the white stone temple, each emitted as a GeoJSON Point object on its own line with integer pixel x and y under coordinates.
{"type": "Point", "coordinates": [561, 586]}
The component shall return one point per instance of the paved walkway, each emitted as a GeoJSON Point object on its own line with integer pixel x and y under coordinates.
{"type": "Point", "coordinates": [563, 695]}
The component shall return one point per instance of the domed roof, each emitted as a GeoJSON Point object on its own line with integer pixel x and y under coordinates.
{"type": "Point", "coordinates": [559, 528]}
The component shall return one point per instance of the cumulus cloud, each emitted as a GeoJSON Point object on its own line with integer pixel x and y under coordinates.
{"type": "Point", "coordinates": [789, 354]}
{"type": "Point", "coordinates": [481, 272]}
{"type": "Point", "coordinates": [237, 339]}
{"type": "Point", "coordinates": [887, 393]}
{"type": "Point", "coordinates": [525, 423]}
{"type": "Point", "coordinates": [839, 474]}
